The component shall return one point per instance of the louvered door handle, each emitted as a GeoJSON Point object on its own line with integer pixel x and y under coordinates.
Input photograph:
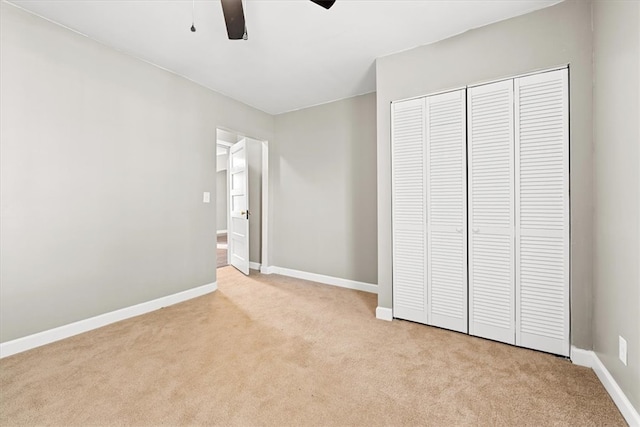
{"type": "Point", "coordinates": [476, 230]}
{"type": "Point", "coordinates": [459, 229]}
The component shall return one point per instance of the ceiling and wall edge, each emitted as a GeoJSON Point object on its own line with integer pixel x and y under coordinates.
{"type": "Point", "coordinates": [132, 55]}
{"type": "Point", "coordinates": [75, 19]}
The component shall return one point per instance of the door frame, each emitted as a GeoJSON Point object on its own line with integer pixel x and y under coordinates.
{"type": "Point", "coordinates": [227, 145]}
{"type": "Point", "coordinates": [264, 209]}
{"type": "Point", "coordinates": [264, 256]}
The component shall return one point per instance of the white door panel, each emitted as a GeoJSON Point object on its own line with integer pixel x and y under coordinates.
{"type": "Point", "coordinates": [491, 211]}
{"type": "Point", "coordinates": [409, 210]}
{"type": "Point", "coordinates": [542, 212]}
{"type": "Point", "coordinates": [238, 238]}
{"type": "Point", "coordinates": [446, 210]}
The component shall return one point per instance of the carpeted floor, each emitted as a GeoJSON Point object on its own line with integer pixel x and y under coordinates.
{"type": "Point", "coordinates": [271, 350]}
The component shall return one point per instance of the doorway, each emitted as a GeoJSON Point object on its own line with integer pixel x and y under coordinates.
{"type": "Point", "coordinates": [256, 200]}
{"type": "Point", "coordinates": [222, 160]}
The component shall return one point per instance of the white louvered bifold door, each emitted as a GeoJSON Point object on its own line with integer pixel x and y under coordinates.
{"type": "Point", "coordinates": [542, 212]}
{"type": "Point", "coordinates": [447, 210]}
{"type": "Point", "coordinates": [491, 211]}
{"type": "Point", "coordinates": [409, 210]}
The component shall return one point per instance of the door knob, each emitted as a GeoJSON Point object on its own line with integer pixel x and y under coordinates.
{"type": "Point", "coordinates": [476, 230]}
{"type": "Point", "coordinates": [459, 229]}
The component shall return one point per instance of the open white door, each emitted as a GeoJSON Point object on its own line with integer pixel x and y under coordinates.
{"type": "Point", "coordinates": [238, 242]}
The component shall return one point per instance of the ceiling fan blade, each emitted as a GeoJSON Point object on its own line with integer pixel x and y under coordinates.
{"type": "Point", "coordinates": [234, 18]}
{"type": "Point", "coordinates": [324, 3]}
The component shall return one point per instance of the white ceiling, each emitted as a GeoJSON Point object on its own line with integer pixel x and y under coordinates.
{"type": "Point", "coordinates": [298, 54]}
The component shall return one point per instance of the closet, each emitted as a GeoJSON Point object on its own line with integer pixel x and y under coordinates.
{"type": "Point", "coordinates": [480, 207]}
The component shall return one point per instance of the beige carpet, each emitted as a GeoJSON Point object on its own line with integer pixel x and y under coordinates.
{"type": "Point", "coordinates": [270, 350]}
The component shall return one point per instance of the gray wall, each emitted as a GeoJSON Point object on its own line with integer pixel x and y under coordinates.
{"type": "Point", "coordinates": [221, 200]}
{"type": "Point", "coordinates": [104, 159]}
{"type": "Point", "coordinates": [617, 189]}
{"type": "Point", "coordinates": [550, 37]}
{"type": "Point", "coordinates": [323, 179]}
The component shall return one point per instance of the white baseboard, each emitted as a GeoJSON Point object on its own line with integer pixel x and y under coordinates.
{"type": "Point", "coordinates": [219, 232]}
{"type": "Point", "coordinates": [266, 270]}
{"type": "Point", "coordinates": [56, 334]}
{"type": "Point", "coordinates": [254, 265]}
{"type": "Point", "coordinates": [582, 357]}
{"type": "Point", "coordinates": [591, 360]}
{"type": "Point", "coordinates": [321, 278]}
{"type": "Point", "coordinates": [384, 313]}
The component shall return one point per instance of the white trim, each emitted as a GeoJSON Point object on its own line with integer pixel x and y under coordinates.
{"type": "Point", "coordinates": [327, 280]}
{"type": "Point", "coordinates": [483, 82]}
{"type": "Point", "coordinates": [591, 360]}
{"type": "Point", "coordinates": [264, 256]}
{"type": "Point", "coordinates": [582, 357]}
{"type": "Point", "coordinates": [228, 213]}
{"type": "Point", "coordinates": [530, 73]}
{"type": "Point", "coordinates": [440, 92]}
{"type": "Point", "coordinates": [384, 313]}
{"type": "Point", "coordinates": [266, 270]}
{"type": "Point", "coordinates": [219, 232]}
{"type": "Point", "coordinates": [254, 265]}
{"type": "Point", "coordinates": [56, 334]}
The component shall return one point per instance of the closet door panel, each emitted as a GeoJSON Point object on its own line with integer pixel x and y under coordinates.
{"type": "Point", "coordinates": [409, 210]}
{"type": "Point", "coordinates": [491, 211]}
{"type": "Point", "coordinates": [542, 212]}
{"type": "Point", "coordinates": [447, 210]}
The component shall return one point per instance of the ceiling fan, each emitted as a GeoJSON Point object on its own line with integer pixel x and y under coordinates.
{"type": "Point", "coordinates": [234, 17]}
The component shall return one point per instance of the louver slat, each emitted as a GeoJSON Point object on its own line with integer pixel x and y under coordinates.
{"type": "Point", "coordinates": [409, 211]}
{"type": "Point", "coordinates": [491, 211]}
{"type": "Point", "coordinates": [542, 212]}
{"type": "Point", "coordinates": [446, 202]}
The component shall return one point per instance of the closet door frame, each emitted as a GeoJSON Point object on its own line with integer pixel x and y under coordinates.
{"type": "Point", "coordinates": [515, 335]}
